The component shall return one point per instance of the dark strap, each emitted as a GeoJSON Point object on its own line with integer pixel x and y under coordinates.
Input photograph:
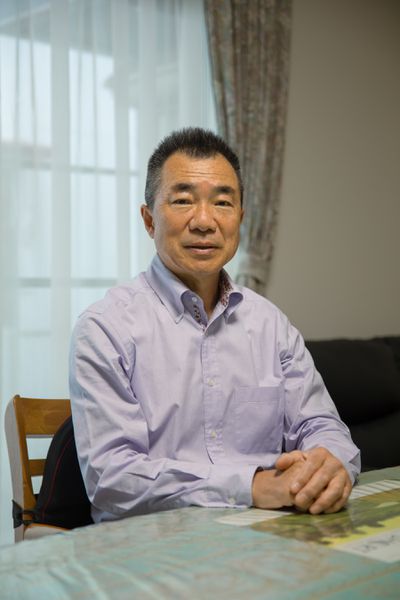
{"type": "Point", "coordinates": [20, 516]}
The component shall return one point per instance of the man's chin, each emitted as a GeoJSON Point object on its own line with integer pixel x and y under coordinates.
{"type": "Point", "coordinates": [200, 268]}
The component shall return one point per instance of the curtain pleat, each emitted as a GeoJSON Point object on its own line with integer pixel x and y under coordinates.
{"type": "Point", "coordinates": [249, 47]}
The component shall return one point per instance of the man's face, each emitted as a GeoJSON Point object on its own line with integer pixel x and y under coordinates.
{"type": "Point", "coordinates": [196, 216]}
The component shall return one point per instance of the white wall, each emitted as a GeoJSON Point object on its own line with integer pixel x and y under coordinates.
{"type": "Point", "coordinates": [336, 269]}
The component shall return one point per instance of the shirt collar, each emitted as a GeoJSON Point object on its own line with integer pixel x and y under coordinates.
{"type": "Point", "coordinates": [171, 290]}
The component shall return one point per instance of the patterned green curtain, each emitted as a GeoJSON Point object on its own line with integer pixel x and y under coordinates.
{"type": "Point", "coordinates": [249, 47]}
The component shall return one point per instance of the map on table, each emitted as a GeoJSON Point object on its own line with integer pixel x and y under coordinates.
{"type": "Point", "coordinates": [370, 525]}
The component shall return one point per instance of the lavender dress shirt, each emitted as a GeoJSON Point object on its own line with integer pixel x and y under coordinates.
{"type": "Point", "coordinates": [172, 409]}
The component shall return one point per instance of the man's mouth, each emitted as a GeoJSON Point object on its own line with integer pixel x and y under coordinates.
{"type": "Point", "coordinates": [201, 248]}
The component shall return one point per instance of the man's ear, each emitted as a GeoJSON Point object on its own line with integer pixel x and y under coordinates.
{"type": "Point", "coordinates": [147, 219]}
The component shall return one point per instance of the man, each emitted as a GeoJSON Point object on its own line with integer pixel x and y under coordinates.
{"type": "Point", "coordinates": [187, 389]}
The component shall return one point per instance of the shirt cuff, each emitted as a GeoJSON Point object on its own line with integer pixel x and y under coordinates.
{"type": "Point", "coordinates": [353, 466]}
{"type": "Point", "coordinates": [230, 485]}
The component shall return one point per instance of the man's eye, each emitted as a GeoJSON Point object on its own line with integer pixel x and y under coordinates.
{"type": "Point", "coordinates": [181, 201]}
{"type": "Point", "coordinates": [223, 203]}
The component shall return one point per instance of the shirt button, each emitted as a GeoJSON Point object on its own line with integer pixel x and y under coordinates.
{"type": "Point", "coordinates": [210, 382]}
{"type": "Point", "coordinates": [232, 500]}
{"type": "Point", "coordinates": [213, 434]}
{"type": "Point", "coordinates": [194, 299]}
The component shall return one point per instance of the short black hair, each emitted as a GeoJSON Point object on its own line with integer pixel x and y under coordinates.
{"type": "Point", "coordinates": [194, 142]}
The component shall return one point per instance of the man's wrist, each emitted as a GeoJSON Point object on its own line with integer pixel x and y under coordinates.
{"type": "Point", "coordinates": [268, 491]}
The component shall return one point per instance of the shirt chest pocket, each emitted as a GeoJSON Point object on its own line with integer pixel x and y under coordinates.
{"type": "Point", "coordinates": [258, 414]}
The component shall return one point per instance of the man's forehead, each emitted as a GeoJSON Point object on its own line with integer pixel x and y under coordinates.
{"type": "Point", "coordinates": [181, 168]}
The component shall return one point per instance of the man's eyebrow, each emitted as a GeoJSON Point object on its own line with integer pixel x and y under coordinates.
{"type": "Point", "coordinates": [189, 187]}
{"type": "Point", "coordinates": [225, 189]}
{"type": "Point", "coordinates": [183, 187]}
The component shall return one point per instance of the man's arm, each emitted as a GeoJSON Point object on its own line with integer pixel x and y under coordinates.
{"type": "Point", "coordinates": [321, 462]}
{"type": "Point", "coordinates": [112, 438]}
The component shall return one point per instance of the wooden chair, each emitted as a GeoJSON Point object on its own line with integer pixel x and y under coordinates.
{"type": "Point", "coordinates": [30, 418]}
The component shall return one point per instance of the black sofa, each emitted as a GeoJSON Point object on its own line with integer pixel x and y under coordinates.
{"type": "Point", "coordinates": [363, 379]}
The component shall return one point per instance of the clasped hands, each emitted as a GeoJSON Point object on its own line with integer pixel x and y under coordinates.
{"type": "Point", "coordinates": [313, 481]}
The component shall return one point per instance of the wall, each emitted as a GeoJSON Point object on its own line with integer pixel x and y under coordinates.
{"type": "Point", "coordinates": [336, 269]}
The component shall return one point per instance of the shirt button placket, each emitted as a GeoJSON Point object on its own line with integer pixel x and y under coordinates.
{"type": "Point", "coordinates": [210, 397]}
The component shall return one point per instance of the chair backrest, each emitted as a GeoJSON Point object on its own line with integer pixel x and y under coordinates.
{"type": "Point", "coordinates": [30, 418]}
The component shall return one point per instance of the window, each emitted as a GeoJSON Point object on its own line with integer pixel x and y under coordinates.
{"type": "Point", "coordinates": [87, 91]}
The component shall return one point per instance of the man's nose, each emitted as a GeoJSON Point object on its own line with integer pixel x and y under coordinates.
{"type": "Point", "coordinates": [203, 217]}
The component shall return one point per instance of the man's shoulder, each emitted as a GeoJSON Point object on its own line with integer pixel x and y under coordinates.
{"type": "Point", "coordinates": [257, 302]}
{"type": "Point", "coordinates": [262, 315]}
{"type": "Point", "coordinates": [119, 302]}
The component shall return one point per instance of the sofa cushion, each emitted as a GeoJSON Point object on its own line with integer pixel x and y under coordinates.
{"type": "Point", "coordinates": [361, 376]}
{"type": "Point", "coordinates": [393, 342]}
{"type": "Point", "coordinates": [378, 441]}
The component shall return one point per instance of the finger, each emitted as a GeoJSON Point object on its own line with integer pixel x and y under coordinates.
{"type": "Point", "coordinates": [326, 477]}
{"type": "Point", "coordinates": [328, 498]}
{"type": "Point", "coordinates": [334, 497]}
{"type": "Point", "coordinates": [287, 459]}
{"type": "Point", "coordinates": [311, 466]}
{"type": "Point", "coordinates": [325, 487]}
{"type": "Point", "coordinates": [318, 461]}
{"type": "Point", "coordinates": [311, 492]}
{"type": "Point", "coordinates": [340, 503]}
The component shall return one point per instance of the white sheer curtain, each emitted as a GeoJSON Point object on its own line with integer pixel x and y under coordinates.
{"type": "Point", "coordinates": [87, 88]}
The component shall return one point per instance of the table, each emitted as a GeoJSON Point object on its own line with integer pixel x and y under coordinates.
{"type": "Point", "coordinates": [198, 553]}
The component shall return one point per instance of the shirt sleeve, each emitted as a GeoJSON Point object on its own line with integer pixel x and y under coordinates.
{"type": "Point", "coordinates": [311, 418]}
{"type": "Point", "coordinates": [112, 438]}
